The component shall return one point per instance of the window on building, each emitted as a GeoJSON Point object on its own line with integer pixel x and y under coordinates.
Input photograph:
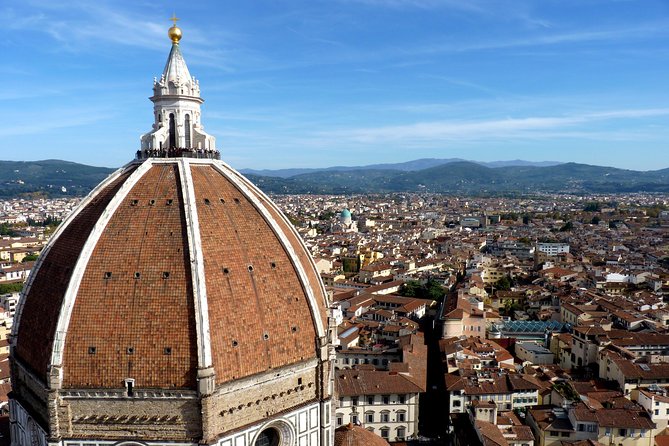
{"type": "Point", "coordinates": [386, 399]}
{"type": "Point", "coordinates": [401, 416]}
{"type": "Point", "coordinates": [385, 416]}
{"type": "Point", "coordinates": [268, 437]}
{"type": "Point", "coordinates": [622, 432]}
{"type": "Point", "coordinates": [581, 427]}
{"type": "Point", "coordinates": [553, 433]}
{"type": "Point", "coordinates": [401, 433]}
{"type": "Point", "coordinates": [129, 386]}
{"type": "Point", "coordinates": [354, 418]}
{"type": "Point", "coordinates": [369, 417]}
{"type": "Point", "coordinates": [340, 419]}
{"type": "Point", "coordinates": [632, 432]}
{"type": "Point", "coordinates": [657, 411]}
{"type": "Point", "coordinates": [354, 401]}
{"type": "Point", "coordinates": [370, 400]}
{"type": "Point", "coordinates": [456, 403]}
{"type": "Point", "coordinates": [564, 434]}
{"type": "Point", "coordinates": [402, 399]}
{"type": "Point", "coordinates": [385, 432]}
{"type": "Point", "coordinates": [608, 431]}
{"type": "Point", "coordinates": [172, 132]}
{"type": "Point", "coordinates": [187, 131]}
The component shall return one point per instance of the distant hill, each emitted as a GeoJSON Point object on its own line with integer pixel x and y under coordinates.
{"type": "Point", "coordinates": [46, 178]}
{"type": "Point", "coordinates": [408, 166]}
{"type": "Point", "coordinates": [519, 163]}
{"type": "Point", "coordinates": [464, 177]}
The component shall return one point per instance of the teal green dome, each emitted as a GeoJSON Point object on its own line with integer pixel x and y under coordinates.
{"type": "Point", "coordinates": [345, 213]}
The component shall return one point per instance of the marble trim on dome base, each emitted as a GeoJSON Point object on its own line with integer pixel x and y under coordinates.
{"type": "Point", "coordinates": [122, 394]}
{"type": "Point", "coordinates": [301, 427]}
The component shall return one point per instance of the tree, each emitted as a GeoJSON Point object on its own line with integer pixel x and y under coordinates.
{"type": "Point", "coordinates": [350, 264]}
{"type": "Point", "coordinates": [294, 220]}
{"type": "Point", "coordinates": [14, 287]}
{"type": "Point", "coordinates": [595, 220]}
{"type": "Point", "coordinates": [654, 211]}
{"type": "Point", "coordinates": [410, 288]}
{"type": "Point", "coordinates": [593, 206]}
{"type": "Point", "coordinates": [5, 229]}
{"type": "Point", "coordinates": [48, 221]}
{"type": "Point", "coordinates": [567, 227]}
{"type": "Point", "coordinates": [503, 284]}
{"type": "Point", "coordinates": [510, 308]}
{"type": "Point", "coordinates": [327, 215]}
{"type": "Point", "coordinates": [29, 258]}
{"type": "Point", "coordinates": [434, 290]}
{"type": "Point", "coordinates": [430, 290]}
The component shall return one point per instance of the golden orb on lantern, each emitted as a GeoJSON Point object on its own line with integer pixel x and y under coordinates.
{"type": "Point", "coordinates": [174, 33]}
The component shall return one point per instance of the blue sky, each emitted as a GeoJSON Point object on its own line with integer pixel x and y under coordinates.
{"type": "Point", "coordinates": [315, 83]}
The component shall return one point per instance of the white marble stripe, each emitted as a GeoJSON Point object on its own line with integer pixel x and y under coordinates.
{"type": "Point", "coordinates": [197, 266]}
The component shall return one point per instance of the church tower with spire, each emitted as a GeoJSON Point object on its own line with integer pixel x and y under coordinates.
{"type": "Point", "coordinates": [176, 107]}
{"type": "Point", "coordinates": [176, 305]}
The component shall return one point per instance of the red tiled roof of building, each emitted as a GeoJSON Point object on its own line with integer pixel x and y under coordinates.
{"type": "Point", "coordinates": [352, 435]}
{"type": "Point", "coordinates": [373, 382]}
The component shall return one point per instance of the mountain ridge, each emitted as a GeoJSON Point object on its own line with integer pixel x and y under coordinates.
{"type": "Point", "coordinates": [65, 178]}
{"type": "Point", "coordinates": [413, 165]}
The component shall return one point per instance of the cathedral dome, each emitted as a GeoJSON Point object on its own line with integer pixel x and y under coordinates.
{"type": "Point", "coordinates": [170, 266]}
{"type": "Point", "coordinates": [175, 304]}
{"type": "Point", "coordinates": [352, 435]}
{"type": "Point", "coordinates": [345, 217]}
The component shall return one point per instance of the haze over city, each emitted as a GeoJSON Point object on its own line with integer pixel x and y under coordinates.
{"type": "Point", "coordinates": [353, 82]}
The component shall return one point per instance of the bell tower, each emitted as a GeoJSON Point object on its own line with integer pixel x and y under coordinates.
{"type": "Point", "coordinates": [176, 107]}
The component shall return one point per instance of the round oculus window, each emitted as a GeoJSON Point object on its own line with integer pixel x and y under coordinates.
{"type": "Point", "coordinates": [268, 437]}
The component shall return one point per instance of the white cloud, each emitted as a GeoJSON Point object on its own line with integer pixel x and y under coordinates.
{"type": "Point", "coordinates": [461, 130]}
{"type": "Point", "coordinates": [469, 5]}
{"type": "Point", "coordinates": [58, 119]}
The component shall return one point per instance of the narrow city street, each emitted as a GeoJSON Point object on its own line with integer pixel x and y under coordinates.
{"type": "Point", "coordinates": [433, 404]}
